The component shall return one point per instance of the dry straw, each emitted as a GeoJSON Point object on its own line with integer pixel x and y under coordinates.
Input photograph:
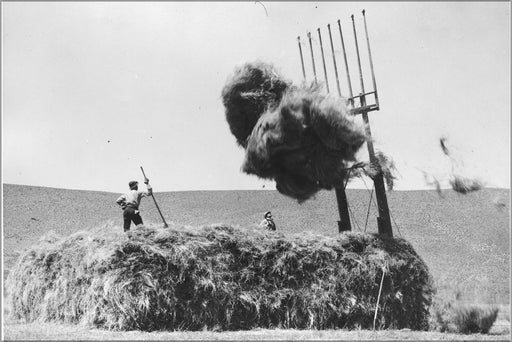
{"type": "Point", "coordinates": [220, 278]}
{"type": "Point", "coordinates": [306, 144]}
{"type": "Point", "coordinates": [383, 164]}
{"type": "Point", "coordinates": [248, 93]}
{"type": "Point", "coordinates": [459, 183]}
{"type": "Point", "coordinates": [463, 185]}
{"type": "Point", "coordinates": [472, 319]}
{"type": "Point", "coordinates": [299, 136]}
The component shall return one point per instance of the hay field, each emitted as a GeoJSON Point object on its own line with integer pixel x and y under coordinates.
{"type": "Point", "coordinates": [463, 239]}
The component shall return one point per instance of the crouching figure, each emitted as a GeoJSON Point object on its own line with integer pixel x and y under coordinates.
{"type": "Point", "coordinates": [268, 222]}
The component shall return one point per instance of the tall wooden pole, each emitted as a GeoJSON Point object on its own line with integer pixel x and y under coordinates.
{"type": "Point", "coordinates": [323, 60]}
{"type": "Point", "coordinates": [371, 61]}
{"type": "Point", "coordinates": [383, 221]}
{"type": "Point", "coordinates": [334, 61]}
{"type": "Point", "coordinates": [347, 71]}
{"type": "Point", "coordinates": [341, 196]}
{"type": "Point", "coordinates": [301, 59]}
{"type": "Point", "coordinates": [312, 56]}
{"type": "Point", "coordinates": [154, 200]}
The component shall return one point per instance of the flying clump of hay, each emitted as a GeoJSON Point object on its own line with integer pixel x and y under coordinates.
{"type": "Point", "coordinates": [221, 278]}
{"type": "Point", "coordinates": [254, 88]}
{"type": "Point", "coordinates": [300, 136]}
{"type": "Point", "coordinates": [464, 185]}
{"type": "Point", "coordinates": [459, 183]}
{"type": "Point", "coordinates": [305, 144]}
{"type": "Point", "coordinates": [458, 177]}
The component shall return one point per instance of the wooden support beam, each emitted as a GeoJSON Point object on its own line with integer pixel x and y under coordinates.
{"type": "Point", "coordinates": [383, 221]}
{"type": "Point", "coordinates": [344, 222]}
{"type": "Point", "coordinates": [364, 109]}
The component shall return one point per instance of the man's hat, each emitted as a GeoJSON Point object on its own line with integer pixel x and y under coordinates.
{"type": "Point", "coordinates": [133, 184]}
{"type": "Point", "coordinates": [267, 213]}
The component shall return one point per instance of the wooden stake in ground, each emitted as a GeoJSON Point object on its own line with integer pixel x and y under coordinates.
{"type": "Point", "coordinates": [162, 216]}
{"type": "Point", "coordinates": [378, 297]}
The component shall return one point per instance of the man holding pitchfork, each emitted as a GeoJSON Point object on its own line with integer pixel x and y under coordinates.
{"type": "Point", "coordinates": [130, 201]}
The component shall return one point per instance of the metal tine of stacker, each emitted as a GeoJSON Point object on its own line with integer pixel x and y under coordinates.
{"type": "Point", "coordinates": [334, 60]}
{"type": "Point", "coordinates": [323, 60]}
{"type": "Point", "coordinates": [312, 56]}
{"type": "Point", "coordinates": [361, 97]}
{"type": "Point", "coordinates": [350, 93]}
{"type": "Point", "coordinates": [301, 59]}
{"type": "Point", "coordinates": [371, 62]}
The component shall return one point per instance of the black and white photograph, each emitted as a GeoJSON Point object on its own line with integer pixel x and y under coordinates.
{"type": "Point", "coordinates": [252, 170]}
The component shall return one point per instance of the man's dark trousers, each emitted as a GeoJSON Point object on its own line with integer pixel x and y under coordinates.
{"type": "Point", "coordinates": [129, 215]}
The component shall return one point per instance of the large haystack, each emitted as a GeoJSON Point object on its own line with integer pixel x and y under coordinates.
{"type": "Point", "coordinates": [223, 278]}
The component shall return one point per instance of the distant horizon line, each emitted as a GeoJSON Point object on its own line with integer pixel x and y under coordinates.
{"type": "Point", "coordinates": [196, 190]}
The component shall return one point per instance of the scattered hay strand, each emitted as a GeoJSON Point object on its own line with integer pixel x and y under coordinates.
{"type": "Point", "coordinates": [383, 164]}
{"type": "Point", "coordinates": [499, 202]}
{"type": "Point", "coordinates": [442, 142]}
{"type": "Point", "coordinates": [433, 181]}
{"type": "Point", "coordinates": [387, 167]}
{"type": "Point", "coordinates": [220, 278]}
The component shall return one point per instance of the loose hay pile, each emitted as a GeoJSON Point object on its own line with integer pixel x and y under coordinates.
{"type": "Point", "coordinates": [221, 278]}
{"type": "Point", "coordinates": [299, 136]}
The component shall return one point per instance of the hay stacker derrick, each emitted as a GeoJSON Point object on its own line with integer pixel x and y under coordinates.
{"type": "Point", "coordinates": [359, 104]}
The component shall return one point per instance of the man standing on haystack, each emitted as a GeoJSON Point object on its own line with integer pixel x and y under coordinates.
{"type": "Point", "coordinates": [268, 222]}
{"type": "Point", "coordinates": [130, 201]}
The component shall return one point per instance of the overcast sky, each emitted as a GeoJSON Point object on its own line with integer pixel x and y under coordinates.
{"type": "Point", "coordinates": [93, 91]}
